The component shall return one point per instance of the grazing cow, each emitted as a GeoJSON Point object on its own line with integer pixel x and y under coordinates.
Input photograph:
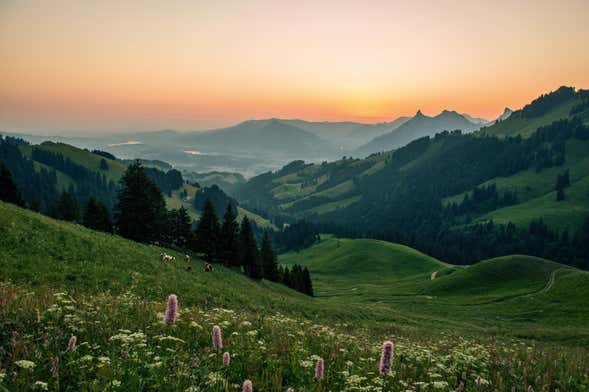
{"type": "Point", "coordinates": [208, 267]}
{"type": "Point", "coordinates": [186, 258]}
{"type": "Point", "coordinates": [166, 257]}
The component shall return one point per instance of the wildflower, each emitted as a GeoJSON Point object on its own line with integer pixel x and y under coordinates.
{"type": "Point", "coordinates": [40, 385]}
{"type": "Point", "coordinates": [171, 314]}
{"type": "Point", "coordinates": [460, 387]}
{"type": "Point", "coordinates": [226, 358]}
{"type": "Point", "coordinates": [386, 358]}
{"type": "Point", "coordinates": [290, 390]}
{"type": "Point", "coordinates": [530, 389]}
{"type": "Point", "coordinates": [71, 346]}
{"type": "Point", "coordinates": [247, 386]}
{"type": "Point", "coordinates": [24, 364]}
{"type": "Point", "coordinates": [217, 339]}
{"type": "Point", "coordinates": [319, 369]}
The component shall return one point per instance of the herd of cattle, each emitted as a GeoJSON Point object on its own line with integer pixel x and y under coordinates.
{"type": "Point", "coordinates": [166, 257]}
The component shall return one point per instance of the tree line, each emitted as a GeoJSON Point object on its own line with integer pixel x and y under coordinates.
{"type": "Point", "coordinates": [140, 214]}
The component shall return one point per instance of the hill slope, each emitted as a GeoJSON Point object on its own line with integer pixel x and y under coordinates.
{"type": "Point", "coordinates": [59, 280]}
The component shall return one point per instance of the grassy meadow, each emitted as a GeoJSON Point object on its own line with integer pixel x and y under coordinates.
{"type": "Point", "coordinates": [61, 280]}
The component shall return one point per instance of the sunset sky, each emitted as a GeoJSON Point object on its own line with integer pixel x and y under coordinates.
{"type": "Point", "coordinates": [112, 66]}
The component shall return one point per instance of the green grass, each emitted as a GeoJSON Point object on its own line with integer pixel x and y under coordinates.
{"type": "Point", "coordinates": [82, 157]}
{"type": "Point", "coordinates": [59, 279]}
{"type": "Point", "coordinates": [492, 296]}
{"type": "Point", "coordinates": [569, 213]}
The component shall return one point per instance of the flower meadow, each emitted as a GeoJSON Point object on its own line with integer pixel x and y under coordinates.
{"type": "Point", "coordinates": [64, 341]}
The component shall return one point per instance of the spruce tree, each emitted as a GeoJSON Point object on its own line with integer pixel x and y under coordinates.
{"type": "Point", "coordinates": [268, 257]}
{"type": "Point", "coordinates": [140, 213]}
{"type": "Point", "coordinates": [230, 238]}
{"type": "Point", "coordinates": [180, 227]}
{"type": "Point", "coordinates": [249, 251]}
{"type": "Point", "coordinates": [96, 216]}
{"type": "Point", "coordinates": [207, 232]}
{"type": "Point", "coordinates": [67, 207]}
{"type": "Point", "coordinates": [307, 283]}
{"type": "Point", "coordinates": [8, 190]}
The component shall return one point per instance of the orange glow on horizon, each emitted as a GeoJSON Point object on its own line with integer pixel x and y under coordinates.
{"type": "Point", "coordinates": [114, 66]}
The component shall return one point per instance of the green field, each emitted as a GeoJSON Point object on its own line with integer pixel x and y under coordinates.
{"type": "Point", "coordinates": [59, 279]}
{"type": "Point", "coordinates": [501, 292]}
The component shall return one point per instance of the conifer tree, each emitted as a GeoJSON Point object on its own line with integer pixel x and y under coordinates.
{"type": "Point", "coordinates": [140, 213]}
{"type": "Point", "coordinates": [230, 239]}
{"type": "Point", "coordinates": [268, 257]}
{"type": "Point", "coordinates": [8, 190]}
{"type": "Point", "coordinates": [180, 227]}
{"type": "Point", "coordinates": [250, 259]}
{"type": "Point", "coordinates": [103, 164]}
{"type": "Point", "coordinates": [307, 284]}
{"type": "Point", "coordinates": [207, 232]}
{"type": "Point", "coordinates": [67, 207]}
{"type": "Point", "coordinates": [96, 216]}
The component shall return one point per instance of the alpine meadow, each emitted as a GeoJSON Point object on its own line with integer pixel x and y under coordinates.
{"type": "Point", "coordinates": [317, 196]}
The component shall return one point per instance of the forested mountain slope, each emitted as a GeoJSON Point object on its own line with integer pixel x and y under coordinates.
{"type": "Point", "coordinates": [416, 194]}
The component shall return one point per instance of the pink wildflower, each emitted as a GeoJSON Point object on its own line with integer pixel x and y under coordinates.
{"type": "Point", "coordinates": [247, 386]}
{"type": "Point", "coordinates": [172, 310]}
{"type": "Point", "coordinates": [386, 358]}
{"type": "Point", "coordinates": [217, 339]}
{"type": "Point", "coordinates": [226, 358]}
{"type": "Point", "coordinates": [72, 343]}
{"type": "Point", "coordinates": [319, 369]}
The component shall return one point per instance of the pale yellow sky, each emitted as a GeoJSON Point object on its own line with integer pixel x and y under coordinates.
{"type": "Point", "coordinates": [145, 65]}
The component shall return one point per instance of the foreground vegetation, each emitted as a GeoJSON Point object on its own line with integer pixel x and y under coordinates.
{"type": "Point", "coordinates": [62, 280]}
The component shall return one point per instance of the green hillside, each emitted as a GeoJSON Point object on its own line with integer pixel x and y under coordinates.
{"type": "Point", "coordinates": [82, 157]}
{"type": "Point", "coordinates": [524, 124]}
{"type": "Point", "coordinates": [496, 279]}
{"type": "Point", "coordinates": [495, 294]}
{"type": "Point", "coordinates": [364, 268]}
{"type": "Point", "coordinates": [536, 193]}
{"type": "Point", "coordinates": [115, 170]}
{"type": "Point", "coordinates": [59, 279]}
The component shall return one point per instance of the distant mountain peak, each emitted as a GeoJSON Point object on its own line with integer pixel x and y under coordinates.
{"type": "Point", "coordinates": [419, 113]}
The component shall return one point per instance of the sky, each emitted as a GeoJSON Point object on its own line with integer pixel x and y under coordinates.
{"type": "Point", "coordinates": [118, 66]}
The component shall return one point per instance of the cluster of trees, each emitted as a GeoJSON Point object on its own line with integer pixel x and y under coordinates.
{"type": "Point", "coordinates": [297, 278]}
{"type": "Point", "coordinates": [104, 154]}
{"type": "Point", "coordinates": [482, 199]}
{"type": "Point", "coordinates": [37, 187]}
{"type": "Point", "coordinates": [296, 236]}
{"type": "Point", "coordinates": [234, 244]}
{"type": "Point", "coordinates": [8, 190]}
{"type": "Point", "coordinates": [88, 182]}
{"type": "Point", "coordinates": [166, 181]}
{"type": "Point", "coordinates": [546, 102]}
{"type": "Point", "coordinates": [216, 197]}
{"type": "Point", "coordinates": [141, 216]}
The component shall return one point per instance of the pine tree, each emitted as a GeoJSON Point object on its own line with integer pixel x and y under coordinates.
{"type": "Point", "coordinates": [230, 239]}
{"type": "Point", "coordinates": [307, 283]}
{"type": "Point", "coordinates": [67, 207]}
{"type": "Point", "coordinates": [207, 232]}
{"type": "Point", "coordinates": [8, 190]}
{"type": "Point", "coordinates": [96, 216]}
{"type": "Point", "coordinates": [249, 251]}
{"type": "Point", "coordinates": [268, 257]}
{"type": "Point", "coordinates": [140, 213]}
{"type": "Point", "coordinates": [180, 227]}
